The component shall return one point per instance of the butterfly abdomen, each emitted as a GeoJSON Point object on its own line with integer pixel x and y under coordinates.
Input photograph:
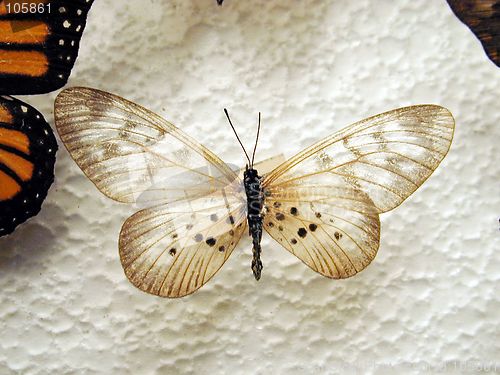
{"type": "Point", "coordinates": [255, 202]}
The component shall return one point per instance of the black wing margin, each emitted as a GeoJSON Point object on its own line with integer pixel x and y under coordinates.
{"type": "Point", "coordinates": [38, 50]}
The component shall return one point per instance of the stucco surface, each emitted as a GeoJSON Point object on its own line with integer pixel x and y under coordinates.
{"type": "Point", "coordinates": [429, 302]}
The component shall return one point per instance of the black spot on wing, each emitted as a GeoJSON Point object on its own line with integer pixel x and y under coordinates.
{"type": "Point", "coordinates": [313, 227]}
{"type": "Point", "coordinates": [294, 211]}
{"type": "Point", "coordinates": [280, 216]}
{"type": "Point", "coordinates": [211, 241]}
{"type": "Point", "coordinates": [302, 232]}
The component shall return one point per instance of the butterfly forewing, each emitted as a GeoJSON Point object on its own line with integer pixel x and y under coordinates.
{"type": "Point", "coordinates": [127, 150]}
{"type": "Point", "coordinates": [323, 204]}
{"type": "Point", "coordinates": [172, 250]}
{"type": "Point", "coordinates": [387, 156]}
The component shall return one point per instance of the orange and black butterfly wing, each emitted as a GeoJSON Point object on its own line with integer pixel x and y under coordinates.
{"type": "Point", "coordinates": [38, 49]}
{"type": "Point", "coordinates": [27, 156]}
{"type": "Point", "coordinates": [483, 18]}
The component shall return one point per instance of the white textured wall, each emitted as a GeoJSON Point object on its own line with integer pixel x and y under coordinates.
{"type": "Point", "coordinates": [430, 298]}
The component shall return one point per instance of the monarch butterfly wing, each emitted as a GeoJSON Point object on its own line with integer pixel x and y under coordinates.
{"type": "Point", "coordinates": [132, 154]}
{"type": "Point", "coordinates": [323, 204]}
{"type": "Point", "coordinates": [39, 48]}
{"type": "Point", "coordinates": [483, 18]}
{"type": "Point", "coordinates": [27, 156]}
{"type": "Point", "coordinates": [172, 250]}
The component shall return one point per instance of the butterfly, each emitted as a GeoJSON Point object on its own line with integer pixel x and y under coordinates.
{"type": "Point", "coordinates": [483, 18]}
{"type": "Point", "coordinates": [27, 156]}
{"type": "Point", "coordinates": [322, 205]}
{"type": "Point", "coordinates": [39, 41]}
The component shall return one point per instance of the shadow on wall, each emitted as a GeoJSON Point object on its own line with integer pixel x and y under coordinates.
{"type": "Point", "coordinates": [32, 241]}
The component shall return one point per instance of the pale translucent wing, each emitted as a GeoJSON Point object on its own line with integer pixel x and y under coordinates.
{"type": "Point", "coordinates": [267, 165]}
{"type": "Point", "coordinates": [154, 192]}
{"type": "Point", "coordinates": [323, 204]}
{"type": "Point", "coordinates": [387, 156]}
{"type": "Point", "coordinates": [126, 150]}
{"type": "Point", "coordinates": [334, 228]}
{"type": "Point", "coordinates": [172, 250]}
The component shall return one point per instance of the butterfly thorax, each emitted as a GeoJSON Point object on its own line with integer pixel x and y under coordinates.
{"type": "Point", "coordinates": [255, 202]}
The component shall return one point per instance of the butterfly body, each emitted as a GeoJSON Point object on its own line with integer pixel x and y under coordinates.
{"type": "Point", "coordinates": [255, 203]}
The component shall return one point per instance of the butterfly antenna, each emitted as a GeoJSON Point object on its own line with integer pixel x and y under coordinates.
{"type": "Point", "coordinates": [256, 141]}
{"type": "Point", "coordinates": [236, 134]}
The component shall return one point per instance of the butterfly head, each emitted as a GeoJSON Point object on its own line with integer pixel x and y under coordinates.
{"type": "Point", "coordinates": [250, 173]}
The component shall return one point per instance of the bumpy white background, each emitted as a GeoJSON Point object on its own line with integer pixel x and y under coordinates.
{"type": "Point", "coordinates": [429, 302]}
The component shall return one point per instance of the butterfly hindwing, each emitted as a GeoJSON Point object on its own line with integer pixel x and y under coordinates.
{"type": "Point", "coordinates": [333, 229]}
{"type": "Point", "coordinates": [39, 42]}
{"type": "Point", "coordinates": [323, 204]}
{"type": "Point", "coordinates": [172, 250]}
{"type": "Point", "coordinates": [27, 156]}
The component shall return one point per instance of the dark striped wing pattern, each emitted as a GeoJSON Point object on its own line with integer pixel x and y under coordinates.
{"type": "Point", "coordinates": [39, 48]}
{"type": "Point", "coordinates": [483, 18]}
{"type": "Point", "coordinates": [27, 156]}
